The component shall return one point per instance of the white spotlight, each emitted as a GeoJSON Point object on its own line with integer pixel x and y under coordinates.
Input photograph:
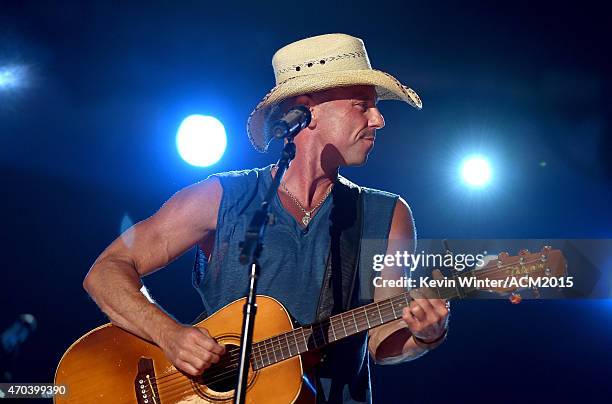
{"type": "Point", "coordinates": [201, 140]}
{"type": "Point", "coordinates": [476, 171]}
{"type": "Point", "coordinates": [12, 77]}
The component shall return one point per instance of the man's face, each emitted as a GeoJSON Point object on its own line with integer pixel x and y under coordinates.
{"type": "Point", "coordinates": [346, 123]}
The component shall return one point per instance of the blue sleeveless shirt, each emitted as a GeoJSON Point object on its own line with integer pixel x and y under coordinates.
{"type": "Point", "coordinates": [293, 263]}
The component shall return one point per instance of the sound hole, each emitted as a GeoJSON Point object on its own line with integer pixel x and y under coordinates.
{"type": "Point", "coordinates": [223, 376]}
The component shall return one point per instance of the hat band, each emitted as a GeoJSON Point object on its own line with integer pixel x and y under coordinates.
{"type": "Point", "coordinates": [351, 61]}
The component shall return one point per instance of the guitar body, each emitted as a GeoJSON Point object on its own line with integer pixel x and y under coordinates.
{"type": "Point", "coordinates": [111, 365]}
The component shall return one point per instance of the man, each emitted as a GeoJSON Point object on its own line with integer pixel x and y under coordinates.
{"type": "Point", "coordinates": [331, 75]}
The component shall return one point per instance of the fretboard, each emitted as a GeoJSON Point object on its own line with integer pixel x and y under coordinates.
{"type": "Point", "coordinates": [337, 327]}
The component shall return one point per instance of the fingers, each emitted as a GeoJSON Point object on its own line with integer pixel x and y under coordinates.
{"type": "Point", "coordinates": [424, 314]}
{"type": "Point", "coordinates": [208, 343]}
{"type": "Point", "coordinates": [412, 322]}
{"type": "Point", "coordinates": [430, 310]}
{"type": "Point", "coordinates": [194, 350]}
{"type": "Point", "coordinates": [188, 368]}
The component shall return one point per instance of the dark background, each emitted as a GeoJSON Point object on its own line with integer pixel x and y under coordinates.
{"type": "Point", "coordinates": [89, 142]}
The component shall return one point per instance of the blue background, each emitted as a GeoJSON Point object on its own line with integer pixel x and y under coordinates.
{"type": "Point", "coordinates": [91, 139]}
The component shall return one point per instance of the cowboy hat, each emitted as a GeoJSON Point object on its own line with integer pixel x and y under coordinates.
{"type": "Point", "coordinates": [320, 63]}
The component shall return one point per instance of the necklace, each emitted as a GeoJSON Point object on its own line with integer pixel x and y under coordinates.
{"type": "Point", "coordinates": [307, 213]}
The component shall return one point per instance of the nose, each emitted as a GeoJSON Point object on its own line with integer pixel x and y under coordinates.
{"type": "Point", "coordinates": [376, 119]}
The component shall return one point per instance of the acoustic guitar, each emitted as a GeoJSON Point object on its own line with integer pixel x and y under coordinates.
{"type": "Point", "coordinates": [111, 365]}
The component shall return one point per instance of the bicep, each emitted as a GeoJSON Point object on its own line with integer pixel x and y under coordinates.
{"type": "Point", "coordinates": [185, 219]}
{"type": "Point", "coordinates": [402, 238]}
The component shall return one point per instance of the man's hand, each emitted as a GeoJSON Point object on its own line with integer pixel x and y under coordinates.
{"type": "Point", "coordinates": [426, 317]}
{"type": "Point", "coordinates": [191, 349]}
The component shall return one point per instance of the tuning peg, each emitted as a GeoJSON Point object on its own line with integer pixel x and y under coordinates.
{"type": "Point", "coordinates": [500, 257]}
{"type": "Point", "coordinates": [515, 298]}
{"type": "Point", "coordinates": [544, 253]}
{"type": "Point", "coordinates": [523, 254]}
{"type": "Point", "coordinates": [536, 292]}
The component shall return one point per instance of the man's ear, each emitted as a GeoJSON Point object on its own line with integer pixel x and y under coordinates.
{"type": "Point", "coordinates": [308, 101]}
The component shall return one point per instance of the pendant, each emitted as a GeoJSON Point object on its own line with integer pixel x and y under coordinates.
{"type": "Point", "coordinates": [306, 219]}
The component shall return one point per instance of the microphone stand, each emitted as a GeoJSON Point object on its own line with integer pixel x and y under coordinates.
{"type": "Point", "coordinates": [251, 249]}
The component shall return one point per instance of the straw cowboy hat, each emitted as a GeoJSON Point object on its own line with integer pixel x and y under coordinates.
{"type": "Point", "coordinates": [320, 63]}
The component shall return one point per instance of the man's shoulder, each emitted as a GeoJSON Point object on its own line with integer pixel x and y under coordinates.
{"type": "Point", "coordinates": [370, 193]}
{"type": "Point", "coordinates": [244, 174]}
{"type": "Point", "coordinates": [379, 193]}
{"type": "Point", "coordinates": [241, 180]}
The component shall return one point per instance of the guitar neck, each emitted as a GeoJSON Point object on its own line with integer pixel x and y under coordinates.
{"type": "Point", "coordinates": [340, 326]}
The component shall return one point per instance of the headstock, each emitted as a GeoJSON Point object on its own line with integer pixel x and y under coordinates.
{"type": "Point", "coordinates": [505, 273]}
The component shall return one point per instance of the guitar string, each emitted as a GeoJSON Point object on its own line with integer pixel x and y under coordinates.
{"type": "Point", "coordinates": [304, 333]}
{"type": "Point", "coordinates": [174, 387]}
{"type": "Point", "coordinates": [363, 322]}
{"type": "Point", "coordinates": [281, 350]}
{"type": "Point", "coordinates": [334, 321]}
{"type": "Point", "coordinates": [389, 315]}
{"type": "Point", "coordinates": [178, 389]}
{"type": "Point", "coordinates": [286, 335]}
{"type": "Point", "coordinates": [177, 386]}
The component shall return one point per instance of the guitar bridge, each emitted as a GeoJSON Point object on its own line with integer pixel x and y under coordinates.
{"type": "Point", "coordinates": [146, 383]}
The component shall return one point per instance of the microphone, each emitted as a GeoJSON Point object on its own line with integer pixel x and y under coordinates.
{"type": "Point", "coordinates": [296, 119]}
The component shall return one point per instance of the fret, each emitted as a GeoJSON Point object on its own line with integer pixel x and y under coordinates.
{"type": "Point", "coordinates": [355, 321]}
{"type": "Point", "coordinates": [388, 315]}
{"type": "Point", "coordinates": [305, 340]}
{"type": "Point", "coordinates": [279, 342]}
{"type": "Point", "coordinates": [400, 306]}
{"type": "Point", "coordinates": [288, 346]}
{"type": "Point", "coordinates": [406, 299]}
{"type": "Point", "coordinates": [379, 314]}
{"type": "Point", "coordinates": [297, 346]}
{"type": "Point", "coordinates": [258, 356]}
{"type": "Point", "coordinates": [365, 311]}
{"type": "Point", "coordinates": [254, 354]}
{"type": "Point", "coordinates": [372, 313]}
{"type": "Point", "coordinates": [265, 347]}
{"type": "Point", "coordinates": [334, 326]}
{"type": "Point", "coordinates": [273, 349]}
{"type": "Point", "coordinates": [393, 308]}
{"type": "Point", "coordinates": [343, 325]}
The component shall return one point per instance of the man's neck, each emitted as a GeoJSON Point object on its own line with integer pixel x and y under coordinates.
{"type": "Point", "coordinates": [308, 180]}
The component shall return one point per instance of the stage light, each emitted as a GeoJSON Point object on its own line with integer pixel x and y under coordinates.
{"type": "Point", "coordinates": [476, 171]}
{"type": "Point", "coordinates": [12, 77]}
{"type": "Point", "coordinates": [201, 140]}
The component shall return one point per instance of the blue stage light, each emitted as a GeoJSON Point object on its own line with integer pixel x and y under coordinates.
{"type": "Point", "coordinates": [12, 77]}
{"type": "Point", "coordinates": [201, 140]}
{"type": "Point", "coordinates": [476, 171]}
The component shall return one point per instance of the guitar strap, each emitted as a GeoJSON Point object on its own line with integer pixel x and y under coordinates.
{"type": "Point", "coordinates": [343, 259]}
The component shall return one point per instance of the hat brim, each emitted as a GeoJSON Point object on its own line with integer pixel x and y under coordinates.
{"type": "Point", "coordinates": [387, 88]}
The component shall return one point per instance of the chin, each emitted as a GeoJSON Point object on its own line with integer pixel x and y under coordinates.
{"type": "Point", "coordinates": [357, 161]}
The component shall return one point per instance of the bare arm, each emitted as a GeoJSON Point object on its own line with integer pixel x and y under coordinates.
{"type": "Point", "coordinates": [114, 279]}
{"type": "Point", "coordinates": [394, 342]}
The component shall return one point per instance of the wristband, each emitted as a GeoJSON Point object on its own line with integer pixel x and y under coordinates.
{"type": "Point", "coordinates": [430, 344]}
